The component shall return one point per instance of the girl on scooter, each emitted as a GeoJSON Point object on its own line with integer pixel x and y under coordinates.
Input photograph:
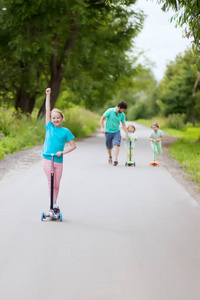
{"type": "Point", "coordinates": [133, 138]}
{"type": "Point", "coordinates": [55, 139]}
{"type": "Point", "coordinates": [155, 138]}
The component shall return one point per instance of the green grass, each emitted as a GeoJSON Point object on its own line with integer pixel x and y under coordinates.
{"type": "Point", "coordinates": [188, 154]}
{"type": "Point", "coordinates": [186, 150]}
{"type": "Point", "coordinates": [190, 133]}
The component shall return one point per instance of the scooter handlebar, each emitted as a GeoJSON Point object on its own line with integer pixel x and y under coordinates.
{"type": "Point", "coordinates": [50, 154]}
{"type": "Point", "coordinates": [152, 140]}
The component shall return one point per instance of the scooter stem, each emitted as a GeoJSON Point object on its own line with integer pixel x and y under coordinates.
{"type": "Point", "coordinates": [52, 181]}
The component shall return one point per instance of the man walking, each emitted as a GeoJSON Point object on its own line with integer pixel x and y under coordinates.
{"type": "Point", "coordinates": [113, 117]}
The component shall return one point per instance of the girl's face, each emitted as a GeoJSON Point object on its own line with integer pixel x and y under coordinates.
{"type": "Point", "coordinates": [155, 128]}
{"type": "Point", "coordinates": [131, 129]}
{"type": "Point", "coordinates": [56, 119]}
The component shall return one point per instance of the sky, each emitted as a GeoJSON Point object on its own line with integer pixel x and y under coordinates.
{"type": "Point", "coordinates": [160, 39]}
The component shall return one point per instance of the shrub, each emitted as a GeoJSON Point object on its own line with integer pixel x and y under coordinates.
{"type": "Point", "coordinates": [80, 122]}
{"type": "Point", "coordinates": [7, 117]}
{"type": "Point", "coordinates": [176, 121]}
{"type": "Point", "coordinates": [139, 111]}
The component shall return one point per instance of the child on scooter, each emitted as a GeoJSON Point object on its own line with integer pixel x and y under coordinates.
{"type": "Point", "coordinates": [133, 138]}
{"type": "Point", "coordinates": [55, 139]}
{"type": "Point", "coordinates": [155, 138]}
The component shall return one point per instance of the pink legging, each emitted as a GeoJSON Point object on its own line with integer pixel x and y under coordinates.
{"type": "Point", "coordinates": [58, 167]}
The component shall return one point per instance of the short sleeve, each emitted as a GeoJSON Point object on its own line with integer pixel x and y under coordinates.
{"type": "Point", "coordinates": [69, 135]}
{"type": "Point", "coordinates": [161, 133]}
{"type": "Point", "coordinates": [48, 125]}
{"type": "Point", "coordinates": [123, 119]}
{"type": "Point", "coordinates": [107, 113]}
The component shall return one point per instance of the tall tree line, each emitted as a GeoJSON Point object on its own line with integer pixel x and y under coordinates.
{"type": "Point", "coordinates": [75, 43]}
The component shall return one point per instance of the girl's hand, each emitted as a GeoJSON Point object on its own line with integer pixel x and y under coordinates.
{"type": "Point", "coordinates": [59, 153]}
{"type": "Point", "coordinates": [48, 91]}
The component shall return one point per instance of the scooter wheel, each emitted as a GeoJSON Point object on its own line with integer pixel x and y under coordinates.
{"type": "Point", "coordinates": [60, 217]}
{"type": "Point", "coordinates": [134, 164]}
{"type": "Point", "coordinates": [42, 216]}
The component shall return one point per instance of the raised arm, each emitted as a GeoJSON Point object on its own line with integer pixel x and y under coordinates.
{"type": "Point", "coordinates": [48, 106]}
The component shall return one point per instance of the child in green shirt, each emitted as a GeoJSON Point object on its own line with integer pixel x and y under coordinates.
{"type": "Point", "coordinates": [155, 138]}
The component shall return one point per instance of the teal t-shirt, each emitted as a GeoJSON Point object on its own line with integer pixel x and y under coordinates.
{"type": "Point", "coordinates": [113, 120]}
{"type": "Point", "coordinates": [55, 140]}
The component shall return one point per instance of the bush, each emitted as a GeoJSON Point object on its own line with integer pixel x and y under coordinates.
{"type": "Point", "coordinates": [139, 111]}
{"type": "Point", "coordinates": [80, 122]}
{"type": "Point", "coordinates": [176, 121]}
{"type": "Point", "coordinates": [7, 117]}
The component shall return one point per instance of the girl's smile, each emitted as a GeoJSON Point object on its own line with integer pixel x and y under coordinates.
{"type": "Point", "coordinates": [56, 119]}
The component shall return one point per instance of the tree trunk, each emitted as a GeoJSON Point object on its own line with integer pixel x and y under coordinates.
{"type": "Point", "coordinates": [196, 83]}
{"type": "Point", "coordinates": [25, 102]}
{"type": "Point", "coordinates": [58, 65]}
{"type": "Point", "coordinates": [55, 83]}
{"type": "Point", "coordinates": [192, 120]}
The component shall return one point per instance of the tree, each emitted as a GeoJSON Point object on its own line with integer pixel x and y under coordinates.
{"type": "Point", "coordinates": [47, 41]}
{"type": "Point", "coordinates": [187, 13]}
{"type": "Point", "coordinates": [176, 88]}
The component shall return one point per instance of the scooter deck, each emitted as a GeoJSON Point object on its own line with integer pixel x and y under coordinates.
{"type": "Point", "coordinates": [130, 163]}
{"type": "Point", "coordinates": [52, 215]}
{"type": "Point", "coordinates": [154, 163]}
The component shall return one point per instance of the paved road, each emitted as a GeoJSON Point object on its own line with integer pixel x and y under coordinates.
{"type": "Point", "coordinates": [127, 233]}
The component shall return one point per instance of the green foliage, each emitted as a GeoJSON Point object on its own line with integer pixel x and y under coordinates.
{"type": "Point", "coordinates": [80, 121]}
{"type": "Point", "coordinates": [187, 16]}
{"type": "Point", "coordinates": [188, 154]}
{"type": "Point", "coordinates": [140, 94]}
{"type": "Point", "coordinates": [147, 122]}
{"type": "Point", "coordinates": [144, 95]}
{"type": "Point", "coordinates": [78, 44]}
{"type": "Point", "coordinates": [25, 132]}
{"type": "Point", "coordinates": [140, 110]}
{"type": "Point", "coordinates": [190, 133]}
{"type": "Point", "coordinates": [7, 117]}
{"type": "Point", "coordinates": [176, 121]}
{"type": "Point", "coordinates": [176, 89]}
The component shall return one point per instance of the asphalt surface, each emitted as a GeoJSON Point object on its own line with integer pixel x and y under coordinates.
{"type": "Point", "coordinates": [127, 233]}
